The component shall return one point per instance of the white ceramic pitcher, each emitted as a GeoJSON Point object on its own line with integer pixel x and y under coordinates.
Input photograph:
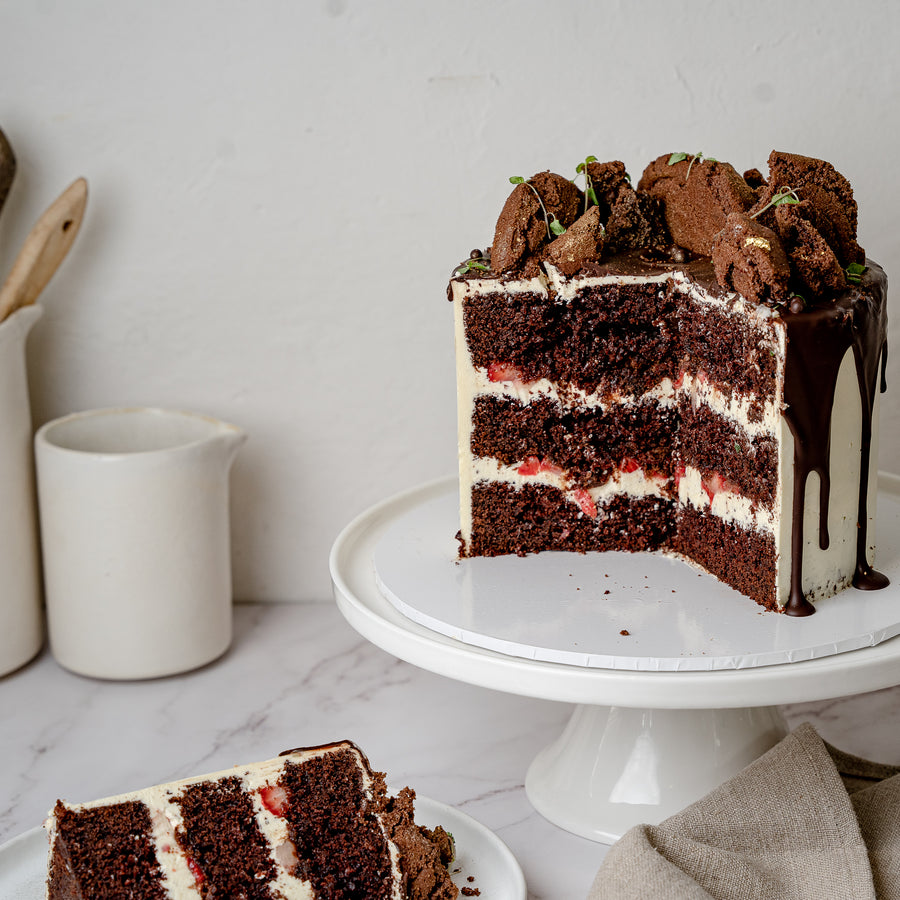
{"type": "Point", "coordinates": [136, 545]}
{"type": "Point", "coordinates": [21, 616]}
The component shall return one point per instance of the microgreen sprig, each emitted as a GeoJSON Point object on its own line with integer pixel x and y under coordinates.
{"type": "Point", "coordinates": [854, 273]}
{"type": "Point", "coordinates": [693, 157]}
{"type": "Point", "coordinates": [554, 226]}
{"type": "Point", "coordinates": [589, 193]}
{"type": "Point", "coordinates": [469, 265]}
{"type": "Point", "coordinates": [782, 195]}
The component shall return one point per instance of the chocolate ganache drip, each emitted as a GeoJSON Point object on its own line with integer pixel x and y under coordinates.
{"type": "Point", "coordinates": [817, 341]}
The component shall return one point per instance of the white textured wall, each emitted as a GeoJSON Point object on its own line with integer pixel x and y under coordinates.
{"type": "Point", "coordinates": [279, 190]}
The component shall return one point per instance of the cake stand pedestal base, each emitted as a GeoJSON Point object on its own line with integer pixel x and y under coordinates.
{"type": "Point", "coordinates": [614, 767]}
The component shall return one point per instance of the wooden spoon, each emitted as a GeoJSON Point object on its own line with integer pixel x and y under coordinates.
{"type": "Point", "coordinates": [7, 168]}
{"type": "Point", "coordinates": [44, 249]}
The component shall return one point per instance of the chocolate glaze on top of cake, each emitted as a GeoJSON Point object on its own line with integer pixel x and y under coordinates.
{"type": "Point", "coordinates": [781, 243]}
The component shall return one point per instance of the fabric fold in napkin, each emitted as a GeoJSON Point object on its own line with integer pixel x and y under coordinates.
{"type": "Point", "coordinates": [803, 821]}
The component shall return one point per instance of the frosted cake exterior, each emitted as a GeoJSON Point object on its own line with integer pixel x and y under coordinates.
{"type": "Point", "coordinates": [626, 391]}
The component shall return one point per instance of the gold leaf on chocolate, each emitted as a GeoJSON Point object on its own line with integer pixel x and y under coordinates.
{"type": "Point", "coordinates": [749, 258]}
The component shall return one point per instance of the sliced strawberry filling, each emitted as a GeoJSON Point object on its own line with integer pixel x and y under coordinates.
{"type": "Point", "coordinates": [586, 502]}
{"type": "Point", "coordinates": [196, 871]}
{"type": "Point", "coordinates": [275, 799]}
{"type": "Point", "coordinates": [715, 484]}
{"type": "Point", "coordinates": [534, 466]}
{"type": "Point", "coordinates": [504, 372]}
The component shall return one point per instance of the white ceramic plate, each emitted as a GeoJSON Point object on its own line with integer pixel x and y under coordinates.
{"type": "Point", "coordinates": [479, 854]}
{"type": "Point", "coordinates": [624, 611]}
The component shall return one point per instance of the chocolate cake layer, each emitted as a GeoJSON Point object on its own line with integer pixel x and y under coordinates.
{"type": "Point", "coordinates": [104, 852]}
{"type": "Point", "coordinates": [587, 343]}
{"type": "Point", "coordinates": [742, 558]}
{"type": "Point", "coordinates": [588, 444]}
{"type": "Point", "coordinates": [730, 351]}
{"type": "Point", "coordinates": [226, 850]}
{"type": "Point", "coordinates": [537, 517]}
{"type": "Point", "coordinates": [340, 847]}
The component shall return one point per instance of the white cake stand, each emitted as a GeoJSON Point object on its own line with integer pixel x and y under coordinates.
{"type": "Point", "coordinates": [641, 743]}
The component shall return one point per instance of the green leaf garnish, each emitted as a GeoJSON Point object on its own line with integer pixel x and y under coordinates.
{"type": "Point", "coordinates": [556, 226]}
{"type": "Point", "coordinates": [590, 195]}
{"type": "Point", "coordinates": [516, 179]}
{"type": "Point", "coordinates": [854, 272]}
{"type": "Point", "coordinates": [694, 157]}
{"type": "Point", "coordinates": [470, 264]}
{"type": "Point", "coordinates": [782, 195]}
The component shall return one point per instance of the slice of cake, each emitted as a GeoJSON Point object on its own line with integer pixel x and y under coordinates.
{"type": "Point", "coordinates": [313, 823]}
{"type": "Point", "coordinates": [691, 367]}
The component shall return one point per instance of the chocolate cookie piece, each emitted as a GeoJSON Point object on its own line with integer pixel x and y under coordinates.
{"type": "Point", "coordinates": [607, 179]}
{"type": "Point", "coordinates": [748, 258]}
{"type": "Point", "coordinates": [562, 199]}
{"type": "Point", "coordinates": [698, 195]}
{"type": "Point", "coordinates": [632, 220]}
{"type": "Point", "coordinates": [833, 209]}
{"type": "Point", "coordinates": [521, 230]}
{"type": "Point", "coordinates": [582, 243]}
{"type": "Point", "coordinates": [636, 221]}
{"type": "Point", "coordinates": [812, 260]}
{"type": "Point", "coordinates": [754, 179]}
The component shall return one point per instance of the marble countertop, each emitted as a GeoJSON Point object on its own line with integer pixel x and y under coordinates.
{"type": "Point", "coordinates": [298, 674]}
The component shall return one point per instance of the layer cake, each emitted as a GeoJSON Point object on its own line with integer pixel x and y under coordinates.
{"type": "Point", "coordinates": [313, 823]}
{"type": "Point", "coordinates": [690, 367]}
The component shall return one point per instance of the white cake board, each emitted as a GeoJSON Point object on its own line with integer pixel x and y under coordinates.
{"type": "Point", "coordinates": [644, 741]}
{"type": "Point", "coordinates": [572, 608]}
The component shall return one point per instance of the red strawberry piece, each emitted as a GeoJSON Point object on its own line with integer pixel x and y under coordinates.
{"type": "Point", "coordinates": [196, 871]}
{"type": "Point", "coordinates": [531, 466]}
{"type": "Point", "coordinates": [680, 380]}
{"type": "Point", "coordinates": [630, 465]}
{"type": "Point", "coordinates": [715, 484]}
{"type": "Point", "coordinates": [504, 372]}
{"type": "Point", "coordinates": [586, 502]}
{"type": "Point", "coordinates": [547, 466]}
{"type": "Point", "coordinates": [275, 799]}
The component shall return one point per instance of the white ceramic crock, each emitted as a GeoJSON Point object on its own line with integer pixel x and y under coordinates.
{"type": "Point", "coordinates": [21, 616]}
{"type": "Point", "coordinates": [136, 544]}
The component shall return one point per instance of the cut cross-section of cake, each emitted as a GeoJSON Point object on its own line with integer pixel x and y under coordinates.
{"type": "Point", "coordinates": [698, 376]}
{"type": "Point", "coordinates": [313, 823]}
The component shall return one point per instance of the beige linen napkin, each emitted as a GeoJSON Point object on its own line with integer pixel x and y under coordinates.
{"type": "Point", "coordinates": [803, 821]}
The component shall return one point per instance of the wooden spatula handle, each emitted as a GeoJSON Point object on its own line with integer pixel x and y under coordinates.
{"type": "Point", "coordinates": [44, 249]}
